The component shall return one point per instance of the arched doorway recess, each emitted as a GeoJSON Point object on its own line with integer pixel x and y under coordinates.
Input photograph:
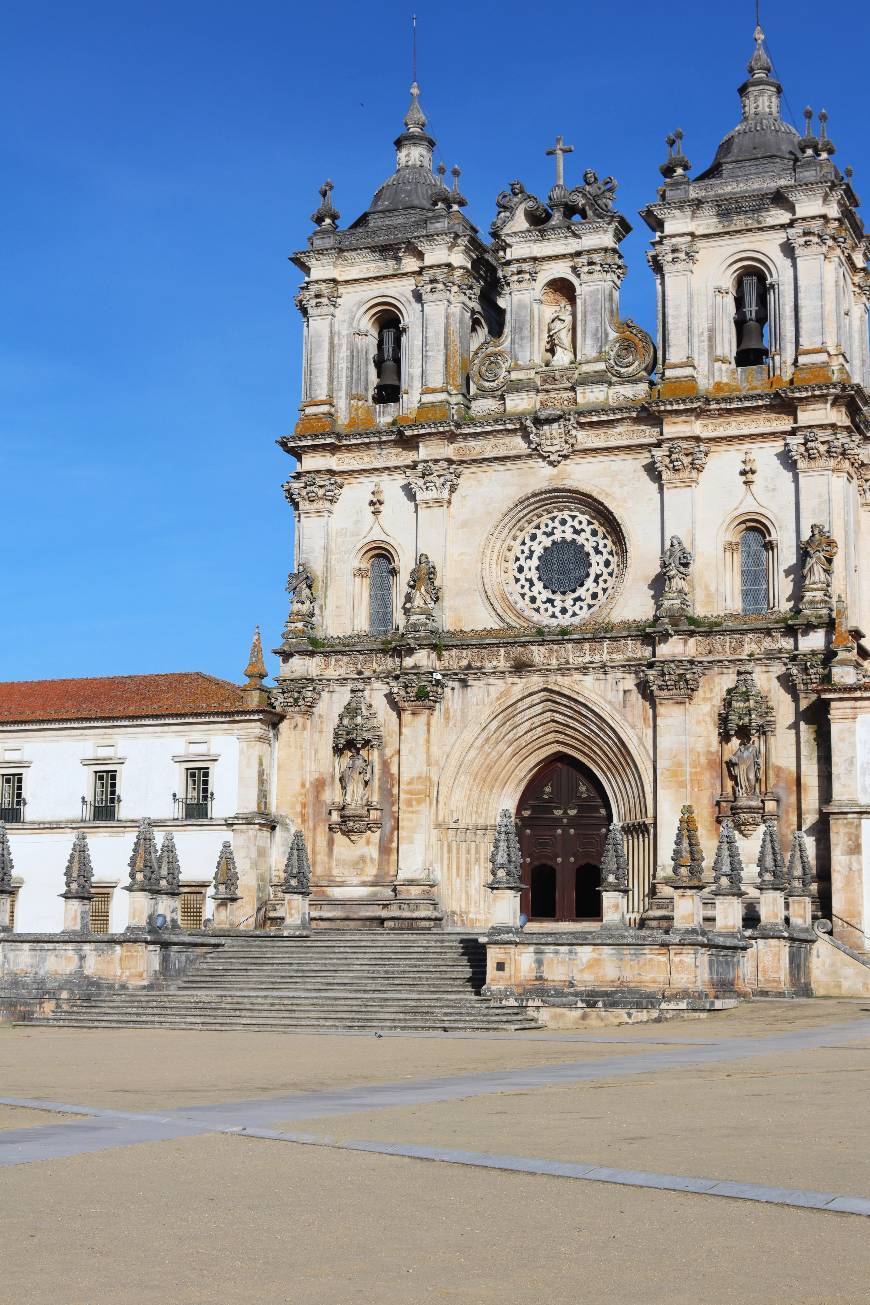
{"type": "Point", "coordinates": [562, 819]}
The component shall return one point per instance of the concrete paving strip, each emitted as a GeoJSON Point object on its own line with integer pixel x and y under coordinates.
{"type": "Point", "coordinates": [95, 1133]}
{"type": "Point", "coordinates": [829, 1202]}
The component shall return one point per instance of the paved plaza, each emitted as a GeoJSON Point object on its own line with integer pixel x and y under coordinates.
{"type": "Point", "coordinates": [726, 1155]}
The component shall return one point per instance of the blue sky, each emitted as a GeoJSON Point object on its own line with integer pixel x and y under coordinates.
{"type": "Point", "coordinates": [160, 162]}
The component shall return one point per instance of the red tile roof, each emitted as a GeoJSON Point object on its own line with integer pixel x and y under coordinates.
{"type": "Point", "coordinates": [112, 697]}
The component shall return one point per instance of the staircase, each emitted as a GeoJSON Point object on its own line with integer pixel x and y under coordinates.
{"type": "Point", "coordinates": [354, 980]}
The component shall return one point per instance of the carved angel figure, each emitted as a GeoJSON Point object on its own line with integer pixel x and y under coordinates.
{"type": "Point", "coordinates": [594, 198]}
{"type": "Point", "coordinates": [560, 329]}
{"type": "Point", "coordinates": [507, 202]}
{"type": "Point", "coordinates": [300, 587]}
{"type": "Point", "coordinates": [676, 570]}
{"type": "Point", "coordinates": [819, 549]}
{"type": "Point", "coordinates": [422, 593]}
{"type": "Point", "coordinates": [354, 778]}
{"type": "Point", "coordinates": [744, 769]}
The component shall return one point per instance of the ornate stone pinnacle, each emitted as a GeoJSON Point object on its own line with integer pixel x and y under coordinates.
{"type": "Point", "coordinates": [255, 670]}
{"type": "Point", "coordinates": [727, 864]}
{"type": "Point", "coordinates": [771, 866]}
{"type": "Point", "coordinates": [144, 870]}
{"type": "Point", "coordinates": [6, 866]}
{"type": "Point", "coordinates": [326, 215]}
{"type": "Point", "coordinates": [226, 874]}
{"type": "Point", "coordinates": [169, 865]}
{"type": "Point", "coordinates": [800, 868]}
{"type": "Point", "coordinates": [614, 862]}
{"type": "Point", "coordinates": [687, 859]}
{"type": "Point", "coordinates": [79, 873]}
{"type": "Point", "coordinates": [297, 867]}
{"type": "Point", "coordinates": [505, 858]}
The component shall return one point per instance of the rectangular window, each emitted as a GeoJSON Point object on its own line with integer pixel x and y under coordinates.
{"type": "Point", "coordinates": [105, 805]}
{"type": "Point", "coordinates": [191, 908]}
{"type": "Point", "coordinates": [101, 908]}
{"type": "Point", "coordinates": [12, 798]}
{"type": "Point", "coordinates": [197, 793]}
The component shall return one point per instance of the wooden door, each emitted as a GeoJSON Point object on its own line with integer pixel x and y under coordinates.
{"type": "Point", "coordinates": [562, 817]}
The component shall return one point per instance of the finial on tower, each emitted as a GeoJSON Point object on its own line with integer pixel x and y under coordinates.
{"type": "Point", "coordinates": [759, 65]}
{"type": "Point", "coordinates": [256, 667]}
{"type": "Point", "coordinates": [327, 214]}
{"type": "Point", "coordinates": [826, 145]}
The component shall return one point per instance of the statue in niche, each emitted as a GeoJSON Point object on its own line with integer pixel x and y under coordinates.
{"type": "Point", "coordinates": [676, 599]}
{"type": "Point", "coordinates": [421, 595]}
{"type": "Point", "coordinates": [560, 330]}
{"type": "Point", "coordinates": [819, 551]}
{"type": "Point", "coordinates": [300, 587]}
{"type": "Point", "coordinates": [744, 769]}
{"type": "Point", "coordinates": [355, 775]}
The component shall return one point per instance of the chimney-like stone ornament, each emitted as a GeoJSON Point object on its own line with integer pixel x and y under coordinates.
{"type": "Point", "coordinates": [170, 881]}
{"type": "Point", "coordinates": [614, 880]}
{"type": "Point", "coordinates": [771, 881]}
{"type": "Point", "coordinates": [144, 882]}
{"type": "Point", "coordinates": [799, 892]}
{"type": "Point", "coordinates": [728, 881]}
{"type": "Point", "coordinates": [687, 874]}
{"type": "Point", "coordinates": [255, 674]}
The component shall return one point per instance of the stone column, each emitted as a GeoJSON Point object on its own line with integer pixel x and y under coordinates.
{"type": "Point", "coordinates": [673, 262]}
{"type": "Point", "coordinates": [432, 485]}
{"type": "Point", "coordinates": [679, 462]}
{"type": "Point", "coordinates": [434, 287]}
{"type": "Point", "coordinates": [848, 814]}
{"type": "Point", "coordinates": [317, 303]}
{"type": "Point", "coordinates": [418, 694]}
{"type": "Point", "coordinates": [808, 240]}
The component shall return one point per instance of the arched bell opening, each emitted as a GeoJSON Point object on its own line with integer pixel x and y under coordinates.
{"type": "Point", "coordinates": [751, 318]}
{"type": "Point", "coordinates": [562, 820]}
{"type": "Point", "coordinates": [388, 361]}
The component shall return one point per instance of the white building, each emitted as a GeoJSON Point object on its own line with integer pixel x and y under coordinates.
{"type": "Point", "coordinates": [193, 753]}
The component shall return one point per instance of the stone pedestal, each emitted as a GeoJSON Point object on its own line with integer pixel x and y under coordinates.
{"type": "Point", "coordinates": [772, 912]}
{"type": "Point", "coordinates": [167, 904]}
{"type": "Point", "coordinates": [505, 907]}
{"type": "Point", "coordinates": [5, 912]}
{"type": "Point", "coordinates": [296, 914]}
{"type": "Point", "coordinates": [225, 912]}
{"type": "Point", "coordinates": [141, 908]}
{"type": "Point", "coordinates": [687, 909]}
{"type": "Point", "coordinates": [729, 912]}
{"type": "Point", "coordinates": [614, 914]}
{"type": "Point", "coordinates": [76, 914]}
{"type": "Point", "coordinates": [800, 915]}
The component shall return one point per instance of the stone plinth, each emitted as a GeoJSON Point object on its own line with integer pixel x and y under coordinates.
{"type": "Point", "coordinates": [687, 909]}
{"type": "Point", "coordinates": [76, 914]}
{"type": "Point", "coordinates": [296, 914]}
{"type": "Point", "coordinates": [167, 904]}
{"type": "Point", "coordinates": [613, 909]}
{"type": "Point", "coordinates": [225, 912]}
{"type": "Point", "coordinates": [729, 912]}
{"type": "Point", "coordinates": [800, 914]}
{"type": "Point", "coordinates": [141, 908]}
{"type": "Point", "coordinates": [771, 912]}
{"type": "Point", "coordinates": [5, 912]}
{"type": "Point", "coordinates": [505, 907]}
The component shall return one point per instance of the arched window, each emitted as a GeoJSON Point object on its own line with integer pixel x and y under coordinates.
{"type": "Point", "coordinates": [381, 594]}
{"type": "Point", "coordinates": [754, 589]}
{"type": "Point", "coordinates": [750, 318]}
{"type": "Point", "coordinates": [388, 361]}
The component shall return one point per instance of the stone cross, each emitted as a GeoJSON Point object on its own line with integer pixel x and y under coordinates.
{"type": "Point", "coordinates": [560, 149]}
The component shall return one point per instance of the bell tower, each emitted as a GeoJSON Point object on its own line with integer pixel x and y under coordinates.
{"type": "Point", "coordinates": [760, 260]}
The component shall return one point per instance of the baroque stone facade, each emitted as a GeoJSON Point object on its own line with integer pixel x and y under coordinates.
{"type": "Point", "coordinates": [530, 535]}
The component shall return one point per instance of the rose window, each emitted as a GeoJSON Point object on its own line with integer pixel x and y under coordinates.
{"type": "Point", "coordinates": [563, 567]}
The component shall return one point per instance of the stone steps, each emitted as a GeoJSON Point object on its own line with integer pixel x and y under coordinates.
{"type": "Point", "coordinates": [341, 980]}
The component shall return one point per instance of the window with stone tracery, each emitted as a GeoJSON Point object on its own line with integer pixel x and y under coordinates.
{"type": "Point", "coordinates": [564, 566]}
{"type": "Point", "coordinates": [754, 595]}
{"type": "Point", "coordinates": [380, 578]}
{"type": "Point", "coordinates": [751, 568]}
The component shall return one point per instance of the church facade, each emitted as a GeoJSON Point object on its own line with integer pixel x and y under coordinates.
{"type": "Point", "coordinates": [548, 564]}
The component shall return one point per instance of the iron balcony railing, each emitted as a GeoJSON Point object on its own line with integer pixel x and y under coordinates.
{"type": "Point", "coordinates": [101, 810]}
{"type": "Point", "coordinates": [184, 809]}
{"type": "Point", "coordinates": [14, 814]}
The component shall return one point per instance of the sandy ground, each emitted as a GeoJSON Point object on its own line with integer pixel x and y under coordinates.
{"type": "Point", "coordinates": [232, 1220]}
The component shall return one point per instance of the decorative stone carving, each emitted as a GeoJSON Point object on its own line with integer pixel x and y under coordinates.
{"type": "Point", "coordinates": [6, 865]}
{"type": "Point", "coordinates": [356, 738]}
{"type": "Point", "coordinates": [317, 297]}
{"type": "Point", "coordinates": [746, 718]}
{"type": "Point", "coordinates": [144, 870]}
{"type": "Point", "coordinates": [672, 681]}
{"type": "Point", "coordinates": [169, 866]}
{"type": "Point", "coordinates": [771, 865]}
{"type": "Point", "coordinates": [505, 859]}
{"type": "Point", "coordinates": [804, 672]}
{"type": "Point", "coordinates": [680, 463]}
{"type": "Point", "coordinates": [303, 606]}
{"type": "Point", "coordinates": [421, 596]}
{"type": "Point", "coordinates": [297, 867]}
{"type": "Point", "coordinates": [676, 601]}
{"type": "Point", "coordinates": [559, 344]}
{"type": "Point", "coordinates": [507, 202]}
{"type": "Point", "coordinates": [748, 469]}
{"type": "Point", "coordinates": [376, 499]}
{"type": "Point", "coordinates": [79, 873]}
{"type": "Point", "coordinates": [226, 875]}
{"type": "Point", "coordinates": [433, 482]}
{"type": "Point", "coordinates": [614, 862]}
{"type": "Point", "coordinates": [814, 450]}
{"type": "Point", "coordinates": [594, 199]}
{"type": "Point", "coordinates": [551, 435]}
{"type": "Point", "coordinates": [631, 353]}
{"type": "Point", "coordinates": [563, 567]}
{"type": "Point", "coordinates": [676, 255]}
{"type": "Point", "coordinates": [312, 489]}
{"type": "Point", "coordinates": [817, 596]}
{"type": "Point", "coordinates": [727, 864]}
{"type": "Point", "coordinates": [300, 696]}
{"type": "Point", "coordinates": [490, 367]}
{"type": "Point", "coordinates": [418, 690]}
{"type": "Point", "coordinates": [800, 868]}
{"type": "Point", "coordinates": [687, 859]}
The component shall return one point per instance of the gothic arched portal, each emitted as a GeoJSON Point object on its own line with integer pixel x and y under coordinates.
{"type": "Point", "coordinates": [562, 818]}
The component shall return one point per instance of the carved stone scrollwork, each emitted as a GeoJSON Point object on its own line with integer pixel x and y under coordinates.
{"type": "Point", "coordinates": [490, 367]}
{"type": "Point", "coordinates": [418, 691]}
{"type": "Point", "coordinates": [317, 297]}
{"type": "Point", "coordinates": [355, 741]}
{"type": "Point", "coordinates": [433, 482]}
{"type": "Point", "coordinates": [552, 435]}
{"type": "Point", "coordinates": [296, 696]}
{"type": "Point", "coordinates": [680, 462]}
{"type": "Point", "coordinates": [675, 256]}
{"type": "Point", "coordinates": [672, 681]}
{"type": "Point", "coordinates": [826, 450]}
{"type": "Point", "coordinates": [312, 489]}
{"type": "Point", "coordinates": [746, 719]}
{"type": "Point", "coordinates": [631, 353]}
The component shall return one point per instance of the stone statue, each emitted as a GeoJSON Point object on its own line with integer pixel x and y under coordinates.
{"type": "Point", "coordinates": [507, 203]}
{"type": "Point", "coordinates": [594, 199]}
{"type": "Point", "coordinates": [354, 777]}
{"type": "Point", "coordinates": [300, 587]}
{"type": "Point", "coordinates": [560, 329]}
{"type": "Point", "coordinates": [676, 599]}
{"type": "Point", "coordinates": [744, 769]}
{"type": "Point", "coordinates": [421, 595]}
{"type": "Point", "coordinates": [819, 551]}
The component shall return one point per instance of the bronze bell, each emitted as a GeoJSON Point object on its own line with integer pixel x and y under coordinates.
{"type": "Point", "coordinates": [387, 361]}
{"type": "Point", "coordinates": [749, 319]}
